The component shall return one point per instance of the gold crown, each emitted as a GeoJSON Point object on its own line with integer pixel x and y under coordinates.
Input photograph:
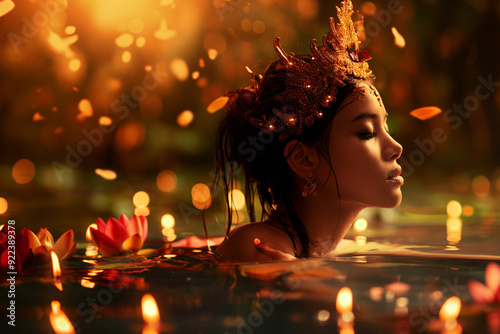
{"type": "Point", "coordinates": [311, 86]}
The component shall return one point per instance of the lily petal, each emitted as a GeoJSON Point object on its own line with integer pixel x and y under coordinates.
{"type": "Point", "coordinates": [101, 225]}
{"type": "Point", "coordinates": [134, 243]}
{"type": "Point", "coordinates": [123, 219]}
{"type": "Point", "coordinates": [4, 262]}
{"type": "Point", "coordinates": [106, 245]}
{"type": "Point", "coordinates": [480, 292]}
{"type": "Point", "coordinates": [117, 231]}
{"type": "Point", "coordinates": [23, 247]}
{"type": "Point", "coordinates": [144, 224]}
{"type": "Point", "coordinates": [134, 227]}
{"type": "Point", "coordinates": [65, 246]}
{"type": "Point", "coordinates": [492, 276]}
{"type": "Point", "coordinates": [46, 238]}
{"type": "Point", "coordinates": [33, 240]}
{"type": "Point", "coordinates": [41, 254]}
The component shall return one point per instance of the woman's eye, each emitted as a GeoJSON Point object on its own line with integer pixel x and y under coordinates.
{"type": "Point", "coordinates": [366, 135]}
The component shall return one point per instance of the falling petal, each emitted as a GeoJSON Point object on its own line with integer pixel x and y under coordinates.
{"type": "Point", "coordinates": [5, 7]}
{"type": "Point", "coordinates": [106, 174]}
{"type": "Point", "coordinates": [217, 104]}
{"type": "Point", "coordinates": [212, 54]}
{"type": "Point", "coordinates": [399, 40]}
{"type": "Point", "coordinates": [37, 117]}
{"type": "Point", "coordinates": [425, 113]}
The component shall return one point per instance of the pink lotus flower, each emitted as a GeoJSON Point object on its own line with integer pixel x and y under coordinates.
{"type": "Point", "coordinates": [117, 236]}
{"type": "Point", "coordinates": [490, 292]}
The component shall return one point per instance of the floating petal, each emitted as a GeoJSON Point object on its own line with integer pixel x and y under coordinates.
{"type": "Point", "coordinates": [425, 113]}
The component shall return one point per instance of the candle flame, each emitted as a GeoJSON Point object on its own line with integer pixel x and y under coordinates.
{"type": "Point", "coordinates": [344, 300]}
{"type": "Point", "coordinates": [56, 268]}
{"type": "Point", "coordinates": [450, 309]}
{"type": "Point", "coordinates": [59, 320]}
{"type": "Point", "coordinates": [150, 312]}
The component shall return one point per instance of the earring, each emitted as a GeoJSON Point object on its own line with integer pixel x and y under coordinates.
{"type": "Point", "coordinates": [310, 185]}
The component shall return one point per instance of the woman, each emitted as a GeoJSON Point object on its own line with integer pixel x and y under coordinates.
{"type": "Point", "coordinates": [311, 139]}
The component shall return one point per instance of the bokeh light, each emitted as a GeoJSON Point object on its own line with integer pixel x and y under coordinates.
{"type": "Point", "coordinates": [141, 199]}
{"type": "Point", "coordinates": [166, 181]}
{"type": "Point", "coordinates": [236, 199]}
{"type": "Point", "coordinates": [185, 118]}
{"type": "Point", "coordinates": [167, 221]}
{"type": "Point", "coordinates": [360, 225]}
{"type": "Point", "coordinates": [454, 209]}
{"type": "Point", "coordinates": [480, 185]}
{"type": "Point", "coordinates": [4, 205]}
{"type": "Point", "coordinates": [23, 171]}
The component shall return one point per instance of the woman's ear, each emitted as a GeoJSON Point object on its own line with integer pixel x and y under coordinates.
{"type": "Point", "coordinates": [301, 158]}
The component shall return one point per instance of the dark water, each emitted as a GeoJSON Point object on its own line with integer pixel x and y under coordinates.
{"type": "Point", "coordinates": [196, 294]}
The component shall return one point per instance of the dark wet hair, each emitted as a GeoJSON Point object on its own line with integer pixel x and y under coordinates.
{"type": "Point", "coordinates": [258, 154]}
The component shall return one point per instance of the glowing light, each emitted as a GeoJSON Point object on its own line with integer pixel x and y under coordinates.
{"type": "Point", "coordinates": [87, 284]}
{"type": "Point", "coordinates": [129, 136]}
{"type": "Point", "coordinates": [195, 75]}
{"type": "Point", "coordinates": [150, 312]}
{"type": "Point", "coordinates": [246, 25]}
{"type": "Point", "coordinates": [376, 293]}
{"type": "Point", "coordinates": [115, 14]}
{"type": "Point", "coordinates": [60, 44]}
{"type": "Point", "coordinates": [167, 221]}
{"type": "Point", "coordinates": [201, 62]}
{"type": "Point", "coordinates": [360, 225]}
{"type": "Point", "coordinates": [185, 118]}
{"type": "Point", "coordinates": [124, 40]}
{"type": "Point", "coordinates": [141, 199]}
{"type": "Point", "coordinates": [344, 300]}
{"type": "Point", "coordinates": [398, 288]}
{"type": "Point", "coordinates": [258, 27]}
{"type": "Point", "coordinates": [37, 117]}
{"type": "Point", "coordinates": [91, 250]}
{"type": "Point", "coordinates": [425, 113]}
{"type": "Point", "coordinates": [450, 309]}
{"type": "Point", "coordinates": [105, 120]}
{"type": "Point", "coordinates": [454, 230]}
{"type": "Point", "coordinates": [323, 316]}
{"type": "Point", "coordinates": [23, 171]}
{"type": "Point", "coordinates": [454, 209]}
{"type": "Point", "coordinates": [140, 42]}
{"type": "Point", "coordinates": [70, 30]}
{"type": "Point", "coordinates": [56, 268]}
{"type": "Point", "coordinates": [85, 108]}
{"type": "Point", "coordinates": [142, 211]}
{"type": "Point", "coordinates": [106, 174]}
{"type": "Point", "coordinates": [135, 26]}
{"type": "Point", "coordinates": [360, 240]}
{"type": "Point", "coordinates": [126, 57]}
{"type": "Point", "coordinates": [59, 320]}
{"type": "Point", "coordinates": [212, 54]}
{"type": "Point", "coordinates": [87, 234]}
{"type": "Point", "coordinates": [480, 185]}
{"type": "Point", "coordinates": [180, 69]}
{"type": "Point", "coordinates": [217, 104]}
{"type": "Point", "coordinates": [467, 210]}
{"type": "Point", "coordinates": [166, 181]}
{"type": "Point", "coordinates": [200, 192]}
{"type": "Point", "coordinates": [5, 7]}
{"type": "Point", "coordinates": [399, 40]}
{"type": "Point", "coordinates": [74, 65]}
{"type": "Point", "coordinates": [163, 33]}
{"type": "Point", "coordinates": [3, 206]}
{"type": "Point", "coordinates": [237, 199]}
{"type": "Point", "coordinates": [368, 8]}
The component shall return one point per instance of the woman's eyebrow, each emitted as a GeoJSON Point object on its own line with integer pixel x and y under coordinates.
{"type": "Point", "coordinates": [366, 115]}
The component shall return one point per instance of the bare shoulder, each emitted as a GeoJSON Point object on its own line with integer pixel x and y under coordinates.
{"type": "Point", "coordinates": [239, 246]}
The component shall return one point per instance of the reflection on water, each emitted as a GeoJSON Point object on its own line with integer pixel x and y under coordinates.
{"type": "Point", "coordinates": [395, 288]}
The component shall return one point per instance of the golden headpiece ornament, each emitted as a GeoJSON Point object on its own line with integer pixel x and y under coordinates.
{"type": "Point", "coordinates": [312, 86]}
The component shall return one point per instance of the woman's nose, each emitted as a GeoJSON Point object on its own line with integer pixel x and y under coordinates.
{"type": "Point", "coordinates": [393, 150]}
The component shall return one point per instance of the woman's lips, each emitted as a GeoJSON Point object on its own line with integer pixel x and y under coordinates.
{"type": "Point", "coordinates": [396, 181]}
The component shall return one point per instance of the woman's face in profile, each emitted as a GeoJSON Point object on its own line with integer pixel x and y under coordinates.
{"type": "Point", "coordinates": [363, 153]}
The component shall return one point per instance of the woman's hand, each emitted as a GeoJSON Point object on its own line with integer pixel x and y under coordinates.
{"type": "Point", "coordinates": [274, 254]}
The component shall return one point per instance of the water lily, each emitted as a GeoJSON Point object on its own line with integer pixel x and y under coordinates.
{"type": "Point", "coordinates": [23, 255]}
{"type": "Point", "coordinates": [43, 242]}
{"type": "Point", "coordinates": [120, 235]}
{"type": "Point", "coordinates": [490, 292]}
